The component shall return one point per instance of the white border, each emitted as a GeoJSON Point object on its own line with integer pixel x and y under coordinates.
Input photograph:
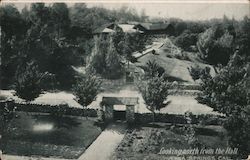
{"type": "Point", "coordinates": [132, 1]}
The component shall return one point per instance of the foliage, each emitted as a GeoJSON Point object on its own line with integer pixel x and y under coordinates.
{"type": "Point", "coordinates": [243, 37]}
{"type": "Point", "coordinates": [28, 82]}
{"type": "Point", "coordinates": [126, 43]}
{"type": "Point", "coordinates": [97, 59]}
{"type": "Point", "coordinates": [186, 39]}
{"type": "Point", "coordinates": [86, 89]}
{"type": "Point", "coordinates": [215, 45]}
{"type": "Point", "coordinates": [7, 113]}
{"type": "Point", "coordinates": [90, 19]}
{"type": "Point", "coordinates": [12, 32]}
{"type": "Point", "coordinates": [154, 92]}
{"type": "Point", "coordinates": [114, 67]}
{"type": "Point", "coordinates": [104, 59]}
{"type": "Point", "coordinates": [227, 93]}
{"type": "Point", "coordinates": [196, 71]}
{"type": "Point", "coordinates": [153, 69]}
{"type": "Point", "coordinates": [56, 36]}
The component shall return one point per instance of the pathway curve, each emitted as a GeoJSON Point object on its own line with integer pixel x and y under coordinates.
{"type": "Point", "coordinates": [105, 144]}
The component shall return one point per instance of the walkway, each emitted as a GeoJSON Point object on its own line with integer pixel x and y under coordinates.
{"type": "Point", "coordinates": [105, 144]}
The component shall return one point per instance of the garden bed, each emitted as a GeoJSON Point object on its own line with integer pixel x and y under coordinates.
{"type": "Point", "coordinates": [147, 142]}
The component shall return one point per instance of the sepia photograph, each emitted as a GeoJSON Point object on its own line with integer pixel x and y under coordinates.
{"type": "Point", "coordinates": [125, 80]}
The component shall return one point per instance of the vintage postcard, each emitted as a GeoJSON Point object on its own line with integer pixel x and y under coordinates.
{"type": "Point", "coordinates": [125, 80]}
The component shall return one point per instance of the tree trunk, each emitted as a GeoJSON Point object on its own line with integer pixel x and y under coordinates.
{"type": "Point", "coordinates": [153, 116]}
{"type": "Point", "coordinates": [215, 70]}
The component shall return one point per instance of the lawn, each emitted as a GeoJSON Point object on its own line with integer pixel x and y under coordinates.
{"type": "Point", "coordinates": [45, 135]}
{"type": "Point", "coordinates": [146, 142]}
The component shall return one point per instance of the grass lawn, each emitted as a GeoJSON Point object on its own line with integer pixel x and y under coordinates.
{"type": "Point", "coordinates": [44, 135]}
{"type": "Point", "coordinates": [146, 142]}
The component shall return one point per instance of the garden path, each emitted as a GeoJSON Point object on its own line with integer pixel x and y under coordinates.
{"type": "Point", "coordinates": [105, 144]}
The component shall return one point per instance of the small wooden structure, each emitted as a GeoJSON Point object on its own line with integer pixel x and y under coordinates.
{"type": "Point", "coordinates": [119, 108]}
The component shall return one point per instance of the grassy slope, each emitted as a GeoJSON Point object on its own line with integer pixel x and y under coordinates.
{"type": "Point", "coordinates": [173, 67]}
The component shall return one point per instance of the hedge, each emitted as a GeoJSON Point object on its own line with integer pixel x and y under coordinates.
{"type": "Point", "coordinates": [62, 108]}
{"type": "Point", "coordinates": [208, 119]}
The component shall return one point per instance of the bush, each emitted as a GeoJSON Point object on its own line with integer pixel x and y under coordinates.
{"type": "Point", "coordinates": [153, 69]}
{"type": "Point", "coordinates": [28, 82]}
{"type": "Point", "coordinates": [182, 56]}
{"type": "Point", "coordinates": [196, 71]}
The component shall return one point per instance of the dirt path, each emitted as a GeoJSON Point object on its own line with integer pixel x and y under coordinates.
{"type": "Point", "coordinates": [105, 144]}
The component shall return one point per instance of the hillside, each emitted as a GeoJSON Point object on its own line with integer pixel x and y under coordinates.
{"type": "Point", "coordinates": [175, 68]}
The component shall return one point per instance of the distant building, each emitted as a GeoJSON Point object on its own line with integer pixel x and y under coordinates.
{"type": "Point", "coordinates": [144, 28]}
{"type": "Point", "coordinates": [156, 28]}
{"type": "Point", "coordinates": [113, 27]}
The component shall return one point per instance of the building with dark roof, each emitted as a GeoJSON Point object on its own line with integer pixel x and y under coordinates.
{"type": "Point", "coordinates": [156, 28]}
{"type": "Point", "coordinates": [145, 28]}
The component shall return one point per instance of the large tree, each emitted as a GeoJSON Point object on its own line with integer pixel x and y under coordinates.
{"type": "Point", "coordinates": [114, 67]}
{"type": "Point", "coordinates": [215, 45]}
{"type": "Point", "coordinates": [227, 93]}
{"type": "Point", "coordinates": [154, 92]}
{"type": "Point", "coordinates": [86, 89]}
{"type": "Point", "coordinates": [13, 29]}
{"type": "Point", "coordinates": [105, 59]}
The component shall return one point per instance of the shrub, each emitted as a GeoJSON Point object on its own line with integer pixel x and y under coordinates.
{"type": "Point", "coordinates": [182, 56]}
{"type": "Point", "coordinates": [153, 69]}
{"type": "Point", "coordinates": [28, 82]}
{"type": "Point", "coordinates": [196, 71]}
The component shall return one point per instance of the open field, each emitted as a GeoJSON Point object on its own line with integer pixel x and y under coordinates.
{"type": "Point", "coordinates": [48, 136]}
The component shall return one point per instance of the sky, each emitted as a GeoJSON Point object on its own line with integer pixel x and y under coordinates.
{"type": "Point", "coordinates": [199, 10]}
{"type": "Point", "coordinates": [189, 11]}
